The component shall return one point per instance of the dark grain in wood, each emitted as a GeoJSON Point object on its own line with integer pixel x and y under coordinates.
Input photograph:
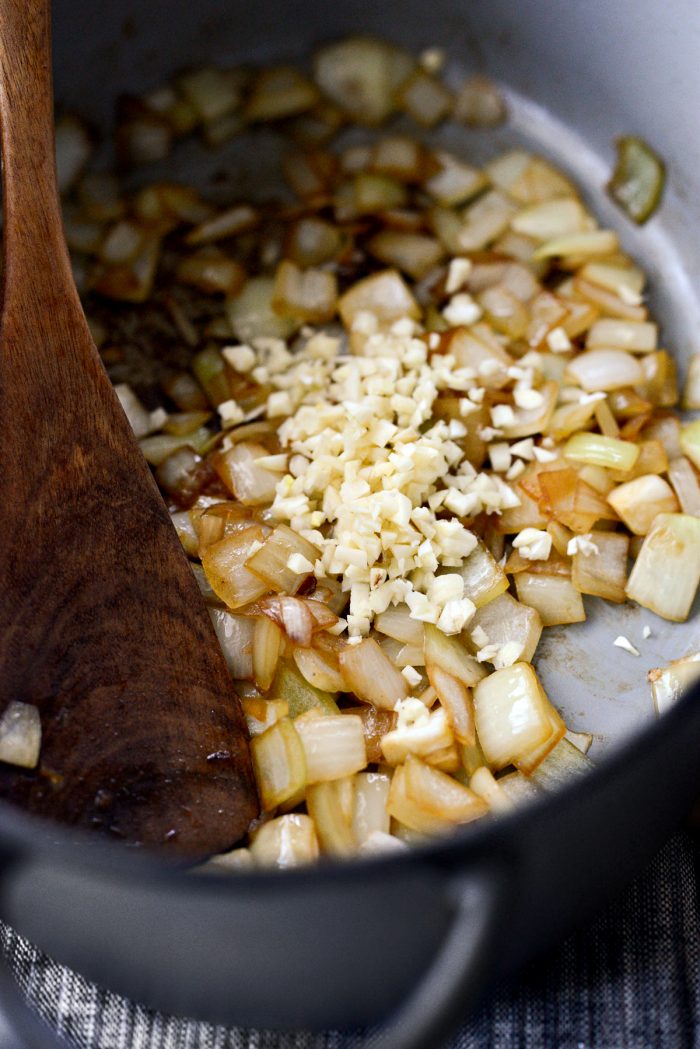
{"type": "Point", "coordinates": [101, 623]}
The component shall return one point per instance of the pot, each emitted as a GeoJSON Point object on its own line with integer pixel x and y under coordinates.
{"type": "Point", "coordinates": [415, 937]}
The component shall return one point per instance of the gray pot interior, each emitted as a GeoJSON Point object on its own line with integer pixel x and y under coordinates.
{"type": "Point", "coordinates": [576, 75]}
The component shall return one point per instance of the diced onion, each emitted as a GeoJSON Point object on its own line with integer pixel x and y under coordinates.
{"type": "Point", "coordinates": [602, 370]}
{"type": "Point", "coordinates": [252, 484]}
{"type": "Point", "coordinates": [370, 675]}
{"type": "Point", "coordinates": [428, 801]}
{"type": "Point", "coordinates": [333, 746]}
{"type": "Point", "coordinates": [279, 764]}
{"type": "Point", "coordinates": [685, 484]}
{"type": "Point", "coordinates": [602, 572]}
{"type": "Point", "coordinates": [505, 620]}
{"type": "Point", "coordinates": [370, 815]}
{"type": "Point", "coordinates": [267, 645]}
{"type": "Point", "coordinates": [384, 294]}
{"type": "Point", "coordinates": [235, 635]}
{"type": "Point", "coordinates": [564, 763]}
{"type": "Point", "coordinates": [326, 804]}
{"type": "Point", "coordinates": [599, 450]}
{"type": "Point", "coordinates": [553, 596]}
{"type": "Point", "coordinates": [20, 735]}
{"type": "Point", "coordinates": [224, 564]}
{"type": "Point", "coordinates": [666, 573]}
{"type": "Point", "coordinates": [669, 683]}
{"type": "Point", "coordinates": [288, 841]}
{"type": "Point", "coordinates": [639, 501]}
{"type": "Point", "coordinates": [397, 622]}
{"type": "Point", "coordinates": [318, 669]}
{"type": "Point", "coordinates": [514, 718]}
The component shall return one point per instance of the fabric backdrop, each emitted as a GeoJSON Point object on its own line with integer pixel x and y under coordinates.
{"type": "Point", "coordinates": [631, 980]}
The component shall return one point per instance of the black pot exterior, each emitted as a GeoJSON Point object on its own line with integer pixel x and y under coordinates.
{"type": "Point", "coordinates": [344, 944]}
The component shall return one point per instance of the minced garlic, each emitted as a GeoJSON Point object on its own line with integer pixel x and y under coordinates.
{"type": "Point", "coordinates": [370, 469]}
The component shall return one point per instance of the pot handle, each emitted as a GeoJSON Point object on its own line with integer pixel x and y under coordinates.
{"type": "Point", "coordinates": [425, 1020]}
{"type": "Point", "coordinates": [456, 976]}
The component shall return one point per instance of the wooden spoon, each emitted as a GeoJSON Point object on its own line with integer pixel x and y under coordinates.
{"type": "Point", "coordinates": [101, 622]}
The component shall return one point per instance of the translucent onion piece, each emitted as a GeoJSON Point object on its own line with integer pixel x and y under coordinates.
{"type": "Point", "coordinates": [396, 622]}
{"type": "Point", "coordinates": [685, 484]}
{"type": "Point", "coordinates": [599, 450]}
{"type": "Point", "coordinates": [413, 253]}
{"type": "Point", "coordinates": [267, 645]}
{"type": "Point", "coordinates": [371, 676]}
{"type": "Point", "coordinates": [504, 620]}
{"type": "Point", "coordinates": [634, 336]}
{"type": "Point", "coordinates": [334, 746]}
{"type": "Point", "coordinates": [514, 718]}
{"type": "Point", "coordinates": [310, 295]}
{"type": "Point", "coordinates": [594, 242]}
{"type": "Point", "coordinates": [666, 573]}
{"type": "Point", "coordinates": [564, 763]}
{"type": "Point", "coordinates": [457, 701]}
{"type": "Point", "coordinates": [429, 801]}
{"type": "Point", "coordinates": [211, 271]}
{"type": "Point", "coordinates": [229, 223]}
{"type": "Point", "coordinates": [489, 789]}
{"type": "Point", "coordinates": [370, 815]}
{"type": "Point", "coordinates": [669, 683]}
{"type": "Point", "coordinates": [484, 220]}
{"type": "Point", "coordinates": [456, 182]}
{"type": "Point", "coordinates": [638, 179]}
{"type": "Point", "coordinates": [224, 565]}
{"type": "Point", "coordinates": [604, 369]}
{"type": "Point", "coordinates": [235, 635]}
{"type": "Point", "coordinates": [252, 315]}
{"type": "Point", "coordinates": [430, 735]}
{"type": "Point", "coordinates": [271, 562]}
{"type": "Point", "coordinates": [691, 391]}
{"type": "Point", "coordinates": [278, 93]}
{"type": "Point", "coordinates": [554, 597]}
{"type": "Point", "coordinates": [479, 103]}
{"type": "Point", "coordinates": [551, 218]}
{"type": "Point", "coordinates": [450, 655]}
{"type": "Point", "coordinates": [690, 442]}
{"type": "Point", "coordinates": [325, 804]}
{"type": "Point", "coordinates": [262, 714]}
{"type": "Point", "coordinates": [483, 577]}
{"type": "Point", "coordinates": [639, 501]}
{"type": "Point", "coordinates": [300, 695]}
{"type": "Point", "coordinates": [288, 841]}
{"type": "Point", "coordinates": [318, 669]}
{"type": "Point", "coordinates": [250, 483]}
{"type": "Point", "coordinates": [527, 178]}
{"type": "Point", "coordinates": [602, 574]}
{"type": "Point", "coordinates": [361, 74]}
{"type": "Point", "coordinates": [425, 99]}
{"type": "Point", "coordinates": [293, 615]}
{"type": "Point", "coordinates": [139, 418]}
{"type": "Point", "coordinates": [279, 765]}
{"type": "Point", "coordinates": [182, 523]}
{"type": "Point", "coordinates": [73, 150]}
{"type": "Point", "coordinates": [402, 655]}
{"type": "Point", "coordinates": [385, 294]}
{"type": "Point", "coordinates": [375, 724]}
{"type": "Point", "coordinates": [20, 735]}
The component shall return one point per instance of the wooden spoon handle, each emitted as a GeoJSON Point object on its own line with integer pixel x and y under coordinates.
{"type": "Point", "coordinates": [34, 242]}
{"type": "Point", "coordinates": [102, 626]}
